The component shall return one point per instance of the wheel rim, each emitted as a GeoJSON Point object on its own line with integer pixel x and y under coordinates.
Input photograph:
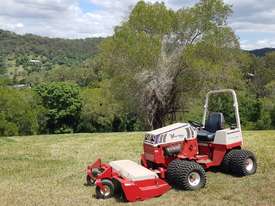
{"type": "Point", "coordinates": [105, 191]}
{"type": "Point", "coordinates": [194, 179]}
{"type": "Point", "coordinates": [249, 164]}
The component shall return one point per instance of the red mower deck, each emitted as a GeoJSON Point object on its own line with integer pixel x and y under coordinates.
{"type": "Point", "coordinates": [136, 182]}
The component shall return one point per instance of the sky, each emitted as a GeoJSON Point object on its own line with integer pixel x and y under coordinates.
{"type": "Point", "coordinates": [253, 20]}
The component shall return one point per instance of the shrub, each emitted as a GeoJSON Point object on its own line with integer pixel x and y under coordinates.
{"type": "Point", "coordinates": [63, 104]}
{"type": "Point", "coordinates": [19, 113]}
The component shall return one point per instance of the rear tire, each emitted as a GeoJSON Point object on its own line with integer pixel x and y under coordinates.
{"type": "Point", "coordinates": [107, 191]}
{"type": "Point", "coordinates": [227, 161]}
{"type": "Point", "coordinates": [186, 175]}
{"type": "Point", "coordinates": [243, 163]}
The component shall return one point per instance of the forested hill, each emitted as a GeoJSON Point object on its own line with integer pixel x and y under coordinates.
{"type": "Point", "coordinates": [147, 75]}
{"type": "Point", "coordinates": [262, 52]}
{"type": "Point", "coordinates": [52, 51]}
{"type": "Point", "coordinates": [57, 50]}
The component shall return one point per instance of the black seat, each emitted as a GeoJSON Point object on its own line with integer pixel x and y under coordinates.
{"type": "Point", "coordinates": [214, 123]}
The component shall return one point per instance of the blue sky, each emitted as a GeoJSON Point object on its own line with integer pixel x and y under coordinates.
{"type": "Point", "coordinates": [88, 6]}
{"type": "Point", "coordinates": [253, 20]}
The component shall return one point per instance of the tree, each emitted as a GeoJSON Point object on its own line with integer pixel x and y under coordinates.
{"type": "Point", "coordinates": [146, 57]}
{"type": "Point", "coordinates": [3, 68]}
{"type": "Point", "coordinates": [19, 112]}
{"type": "Point", "coordinates": [269, 100]}
{"type": "Point", "coordinates": [63, 104]}
{"type": "Point", "coordinates": [98, 111]}
{"type": "Point", "coordinates": [102, 113]}
{"type": "Point", "coordinates": [83, 77]}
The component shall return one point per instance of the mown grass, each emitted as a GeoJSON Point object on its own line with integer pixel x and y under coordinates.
{"type": "Point", "coordinates": [50, 170]}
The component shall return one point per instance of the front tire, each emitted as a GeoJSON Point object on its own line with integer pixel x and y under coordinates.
{"type": "Point", "coordinates": [90, 181]}
{"type": "Point", "coordinates": [107, 191]}
{"type": "Point", "coordinates": [227, 161]}
{"type": "Point", "coordinates": [186, 175]}
{"type": "Point", "coordinates": [243, 163]}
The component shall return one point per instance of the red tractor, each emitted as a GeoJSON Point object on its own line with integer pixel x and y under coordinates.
{"type": "Point", "coordinates": [177, 156]}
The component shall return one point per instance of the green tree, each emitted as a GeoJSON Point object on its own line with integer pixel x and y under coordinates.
{"type": "Point", "coordinates": [269, 101]}
{"type": "Point", "coordinates": [102, 113]}
{"type": "Point", "coordinates": [19, 112]}
{"type": "Point", "coordinates": [260, 75]}
{"type": "Point", "coordinates": [3, 68]}
{"type": "Point", "coordinates": [63, 104]}
{"type": "Point", "coordinates": [145, 57]}
{"type": "Point", "coordinates": [98, 111]}
{"type": "Point", "coordinates": [83, 77]}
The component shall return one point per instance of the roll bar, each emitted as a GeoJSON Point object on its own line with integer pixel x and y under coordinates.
{"type": "Point", "coordinates": [235, 104]}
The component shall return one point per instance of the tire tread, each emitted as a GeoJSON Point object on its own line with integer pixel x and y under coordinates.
{"type": "Point", "coordinates": [227, 160]}
{"type": "Point", "coordinates": [178, 171]}
{"type": "Point", "coordinates": [238, 163]}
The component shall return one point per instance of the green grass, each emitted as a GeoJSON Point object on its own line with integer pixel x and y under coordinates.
{"type": "Point", "coordinates": [50, 170]}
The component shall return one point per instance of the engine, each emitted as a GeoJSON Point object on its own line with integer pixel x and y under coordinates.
{"type": "Point", "coordinates": [177, 132]}
{"type": "Point", "coordinates": [164, 144]}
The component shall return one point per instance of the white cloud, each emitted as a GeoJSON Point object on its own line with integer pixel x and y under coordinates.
{"type": "Point", "coordinates": [54, 18]}
{"type": "Point", "coordinates": [65, 18]}
{"type": "Point", "coordinates": [264, 43]}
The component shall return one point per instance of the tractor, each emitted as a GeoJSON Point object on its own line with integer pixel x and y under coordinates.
{"type": "Point", "coordinates": [177, 156]}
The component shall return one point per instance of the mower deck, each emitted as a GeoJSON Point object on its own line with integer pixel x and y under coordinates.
{"type": "Point", "coordinates": [135, 181]}
{"type": "Point", "coordinates": [132, 171]}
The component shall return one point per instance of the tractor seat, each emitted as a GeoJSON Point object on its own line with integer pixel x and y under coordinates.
{"type": "Point", "coordinates": [214, 123]}
{"type": "Point", "coordinates": [204, 135]}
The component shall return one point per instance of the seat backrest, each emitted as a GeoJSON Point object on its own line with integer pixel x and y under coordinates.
{"type": "Point", "coordinates": [214, 122]}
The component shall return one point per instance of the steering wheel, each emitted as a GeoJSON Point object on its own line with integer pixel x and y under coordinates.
{"type": "Point", "coordinates": [195, 124]}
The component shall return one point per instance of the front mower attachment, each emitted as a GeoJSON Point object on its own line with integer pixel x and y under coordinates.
{"type": "Point", "coordinates": [132, 180]}
{"type": "Point", "coordinates": [93, 170]}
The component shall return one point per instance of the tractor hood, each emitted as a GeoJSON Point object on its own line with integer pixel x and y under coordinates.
{"type": "Point", "coordinates": [173, 133]}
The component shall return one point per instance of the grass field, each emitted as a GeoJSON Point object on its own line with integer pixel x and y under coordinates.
{"type": "Point", "coordinates": [50, 170]}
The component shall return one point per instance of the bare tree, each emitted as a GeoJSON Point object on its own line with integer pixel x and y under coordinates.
{"type": "Point", "coordinates": [159, 89]}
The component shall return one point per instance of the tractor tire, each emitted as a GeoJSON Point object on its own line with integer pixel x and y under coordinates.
{"type": "Point", "coordinates": [227, 161]}
{"type": "Point", "coordinates": [243, 163]}
{"type": "Point", "coordinates": [172, 169]}
{"type": "Point", "coordinates": [107, 191]}
{"type": "Point", "coordinates": [89, 181]}
{"type": "Point", "coordinates": [186, 175]}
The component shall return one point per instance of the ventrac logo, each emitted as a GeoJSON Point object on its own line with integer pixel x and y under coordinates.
{"type": "Point", "coordinates": [173, 136]}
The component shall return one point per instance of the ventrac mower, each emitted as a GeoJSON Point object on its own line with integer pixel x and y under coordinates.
{"type": "Point", "coordinates": [177, 156]}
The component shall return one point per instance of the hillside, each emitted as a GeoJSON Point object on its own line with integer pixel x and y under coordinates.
{"type": "Point", "coordinates": [50, 170]}
{"type": "Point", "coordinates": [17, 50]}
{"type": "Point", "coordinates": [261, 52]}
{"type": "Point", "coordinates": [20, 52]}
